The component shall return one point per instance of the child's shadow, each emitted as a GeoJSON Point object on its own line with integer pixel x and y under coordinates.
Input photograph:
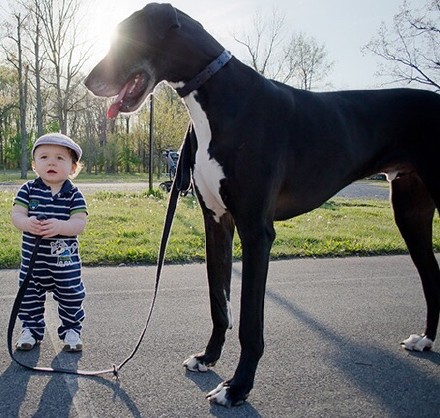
{"type": "Point", "coordinates": [58, 396]}
{"type": "Point", "coordinates": [64, 386]}
{"type": "Point", "coordinates": [14, 383]}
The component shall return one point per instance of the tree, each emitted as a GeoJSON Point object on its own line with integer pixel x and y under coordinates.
{"type": "Point", "coordinates": [90, 127]}
{"type": "Point", "coordinates": [170, 124]}
{"type": "Point", "coordinates": [264, 42]}
{"type": "Point", "coordinates": [44, 57]}
{"type": "Point", "coordinates": [43, 45]}
{"type": "Point", "coordinates": [34, 35]}
{"type": "Point", "coordinates": [8, 113]}
{"type": "Point", "coordinates": [299, 61]}
{"type": "Point", "coordinates": [18, 61]}
{"type": "Point", "coordinates": [410, 47]}
{"type": "Point", "coordinates": [307, 61]}
{"type": "Point", "coordinates": [60, 21]}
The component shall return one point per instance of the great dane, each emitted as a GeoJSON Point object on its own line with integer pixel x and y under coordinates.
{"type": "Point", "coordinates": [262, 151]}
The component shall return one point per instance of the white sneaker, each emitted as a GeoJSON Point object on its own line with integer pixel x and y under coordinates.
{"type": "Point", "coordinates": [26, 341]}
{"type": "Point", "coordinates": [72, 341]}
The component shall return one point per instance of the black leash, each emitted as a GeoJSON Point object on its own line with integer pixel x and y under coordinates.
{"type": "Point", "coordinates": [182, 182]}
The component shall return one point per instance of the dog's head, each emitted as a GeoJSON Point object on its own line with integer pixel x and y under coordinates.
{"type": "Point", "coordinates": [154, 44]}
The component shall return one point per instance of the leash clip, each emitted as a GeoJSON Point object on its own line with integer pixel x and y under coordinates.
{"type": "Point", "coordinates": [115, 373]}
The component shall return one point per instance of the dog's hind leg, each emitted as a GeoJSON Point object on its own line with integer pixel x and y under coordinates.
{"type": "Point", "coordinates": [414, 209]}
{"type": "Point", "coordinates": [219, 237]}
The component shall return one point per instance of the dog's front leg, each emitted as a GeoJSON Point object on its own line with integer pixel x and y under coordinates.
{"type": "Point", "coordinates": [256, 244]}
{"type": "Point", "coordinates": [219, 236]}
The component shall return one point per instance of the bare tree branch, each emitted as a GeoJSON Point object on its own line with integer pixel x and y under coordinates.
{"type": "Point", "coordinates": [411, 46]}
{"type": "Point", "coordinates": [296, 60]}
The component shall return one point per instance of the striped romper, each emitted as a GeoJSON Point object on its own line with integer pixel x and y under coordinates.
{"type": "Point", "coordinates": [57, 267]}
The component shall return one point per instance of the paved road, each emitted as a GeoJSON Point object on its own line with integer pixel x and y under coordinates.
{"type": "Point", "coordinates": [333, 328]}
{"type": "Point", "coordinates": [362, 189]}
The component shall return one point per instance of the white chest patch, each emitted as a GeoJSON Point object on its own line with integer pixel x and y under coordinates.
{"type": "Point", "coordinates": [207, 171]}
{"type": "Point", "coordinates": [391, 175]}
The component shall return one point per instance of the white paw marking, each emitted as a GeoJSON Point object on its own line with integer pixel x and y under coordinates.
{"type": "Point", "coordinates": [417, 343]}
{"type": "Point", "coordinates": [229, 310]}
{"type": "Point", "coordinates": [218, 395]}
{"type": "Point", "coordinates": [193, 364]}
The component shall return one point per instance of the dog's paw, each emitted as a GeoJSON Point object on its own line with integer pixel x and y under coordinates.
{"type": "Point", "coordinates": [417, 343]}
{"type": "Point", "coordinates": [195, 364]}
{"type": "Point", "coordinates": [219, 395]}
{"type": "Point", "coordinates": [222, 395]}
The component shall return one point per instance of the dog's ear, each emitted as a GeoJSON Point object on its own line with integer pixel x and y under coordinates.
{"type": "Point", "coordinates": [161, 18]}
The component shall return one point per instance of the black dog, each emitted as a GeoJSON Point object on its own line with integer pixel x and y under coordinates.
{"type": "Point", "coordinates": [262, 151]}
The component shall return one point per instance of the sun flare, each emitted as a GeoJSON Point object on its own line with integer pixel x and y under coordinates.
{"type": "Point", "coordinates": [100, 25]}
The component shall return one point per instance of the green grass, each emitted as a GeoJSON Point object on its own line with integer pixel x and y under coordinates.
{"type": "Point", "coordinates": [126, 228]}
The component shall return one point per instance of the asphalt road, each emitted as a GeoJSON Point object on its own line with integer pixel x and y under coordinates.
{"type": "Point", "coordinates": [362, 189]}
{"type": "Point", "coordinates": [333, 328]}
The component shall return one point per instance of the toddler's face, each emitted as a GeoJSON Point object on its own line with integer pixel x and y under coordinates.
{"type": "Point", "coordinates": [53, 163]}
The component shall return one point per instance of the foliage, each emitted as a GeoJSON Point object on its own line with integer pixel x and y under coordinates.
{"type": "Point", "coordinates": [48, 36]}
{"type": "Point", "coordinates": [9, 139]}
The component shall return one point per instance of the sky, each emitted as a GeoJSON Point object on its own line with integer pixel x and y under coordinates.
{"type": "Point", "coordinates": [343, 26]}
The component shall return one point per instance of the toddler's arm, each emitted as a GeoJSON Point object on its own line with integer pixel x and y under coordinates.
{"type": "Point", "coordinates": [24, 222]}
{"type": "Point", "coordinates": [70, 228]}
{"type": "Point", "coordinates": [49, 227]}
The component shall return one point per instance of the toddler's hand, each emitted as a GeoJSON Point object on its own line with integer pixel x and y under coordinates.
{"type": "Point", "coordinates": [34, 226]}
{"type": "Point", "coordinates": [51, 227]}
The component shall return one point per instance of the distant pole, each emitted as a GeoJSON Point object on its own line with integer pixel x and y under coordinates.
{"type": "Point", "coordinates": [150, 169]}
{"type": "Point", "coordinates": [127, 125]}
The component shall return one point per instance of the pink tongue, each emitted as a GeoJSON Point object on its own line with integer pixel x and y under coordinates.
{"type": "Point", "coordinates": [113, 110]}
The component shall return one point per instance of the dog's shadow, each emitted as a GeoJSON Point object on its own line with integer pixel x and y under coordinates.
{"type": "Point", "coordinates": [205, 381]}
{"type": "Point", "coordinates": [372, 368]}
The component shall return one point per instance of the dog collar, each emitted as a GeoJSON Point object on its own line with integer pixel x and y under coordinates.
{"type": "Point", "coordinates": [205, 75]}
